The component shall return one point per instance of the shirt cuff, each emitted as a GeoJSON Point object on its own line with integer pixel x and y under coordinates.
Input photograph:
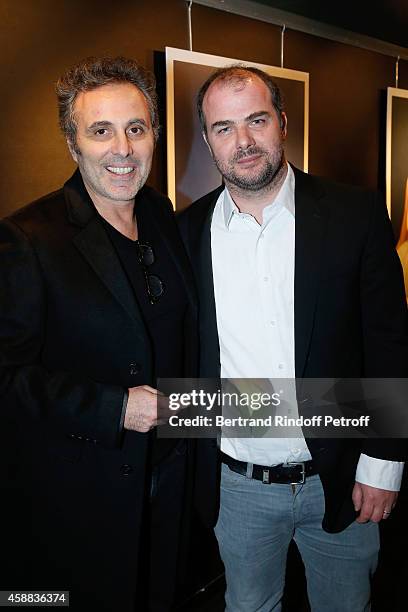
{"type": "Point", "coordinates": [379, 473]}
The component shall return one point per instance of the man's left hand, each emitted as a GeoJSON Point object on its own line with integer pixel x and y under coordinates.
{"type": "Point", "coordinates": [373, 504]}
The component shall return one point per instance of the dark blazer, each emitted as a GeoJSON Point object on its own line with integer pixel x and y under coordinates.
{"type": "Point", "coordinates": [350, 318]}
{"type": "Point", "coordinates": [72, 340]}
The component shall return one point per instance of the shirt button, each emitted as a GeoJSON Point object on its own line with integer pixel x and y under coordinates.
{"type": "Point", "coordinates": [126, 469]}
{"type": "Point", "coordinates": [134, 368]}
{"type": "Point", "coordinates": [273, 323]}
{"type": "Point", "coordinates": [281, 366]}
{"type": "Point", "coordinates": [266, 278]}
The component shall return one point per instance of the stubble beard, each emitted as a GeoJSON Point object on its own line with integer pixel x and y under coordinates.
{"type": "Point", "coordinates": [98, 186]}
{"type": "Point", "coordinates": [265, 179]}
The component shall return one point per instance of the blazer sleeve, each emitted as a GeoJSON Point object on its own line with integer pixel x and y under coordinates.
{"type": "Point", "coordinates": [74, 405]}
{"type": "Point", "coordinates": [385, 324]}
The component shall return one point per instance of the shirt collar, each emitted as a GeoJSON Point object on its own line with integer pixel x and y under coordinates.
{"type": "Point", "coordinates": [285, 198]}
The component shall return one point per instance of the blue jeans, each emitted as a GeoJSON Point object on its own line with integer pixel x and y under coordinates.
{"type": "Point", "coordinates": [255, 526]}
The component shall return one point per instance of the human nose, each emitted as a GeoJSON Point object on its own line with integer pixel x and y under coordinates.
{"type": "Point", "coordinates": [122, 145]}
{"type": "Point", "coordinates": [244, 137]}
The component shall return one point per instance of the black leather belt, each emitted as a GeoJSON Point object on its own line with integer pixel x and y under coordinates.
{"type": "Point", "coordinates": [288, 473]}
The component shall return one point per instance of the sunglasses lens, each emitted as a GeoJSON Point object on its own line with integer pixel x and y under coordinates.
{"type": "Point", "coordinates": [147, 255]}
{"type": "Point", "coordinates": [155, 286]}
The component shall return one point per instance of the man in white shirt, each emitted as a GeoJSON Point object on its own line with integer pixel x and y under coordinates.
{"type": "Point", "coordinates": [298, 277]}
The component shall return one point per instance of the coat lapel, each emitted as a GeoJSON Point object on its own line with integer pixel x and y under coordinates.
{"type": "Point", "coordinates": [94, 244]}
{"type": "Point", "coordinates": [200, 249]}
{"type": "Point", "coordinates": [310, 223]}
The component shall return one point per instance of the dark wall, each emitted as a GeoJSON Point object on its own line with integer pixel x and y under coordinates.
{"type": "Point", "coordinates": [41, 39]}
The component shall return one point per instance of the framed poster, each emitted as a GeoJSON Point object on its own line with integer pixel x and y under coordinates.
{"type": "Point", "coordinates": [397, 171]}
{"type": "Point", "coordinates": [397, 160]}
{"type": "Point", "coordinates": [191, 172]}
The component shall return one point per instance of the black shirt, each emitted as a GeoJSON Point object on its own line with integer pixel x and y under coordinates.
{"type": "Point", "coordinates": [164, 319]}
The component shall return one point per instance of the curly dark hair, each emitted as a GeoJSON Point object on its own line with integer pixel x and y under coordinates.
{"type": "Point", "coordinates": [94, 72]}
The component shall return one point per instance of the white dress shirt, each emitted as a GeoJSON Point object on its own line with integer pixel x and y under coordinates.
{"type": "Point", "coordinates": [253, 270]}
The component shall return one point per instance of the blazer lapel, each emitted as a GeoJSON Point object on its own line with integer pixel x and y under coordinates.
{"type": "Point", "coordinates": [310, 224]}
{"type": "Point", "coordinates": [94, 244]}
{"type": "Point", "coordinates": [200, 250]}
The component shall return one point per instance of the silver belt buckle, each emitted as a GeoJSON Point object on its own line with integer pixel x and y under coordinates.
{"type": "Point", "coordinates": [303, 472]}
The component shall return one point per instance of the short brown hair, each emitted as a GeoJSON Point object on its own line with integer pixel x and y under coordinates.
{"type": "Point", "coordinates": [239, 72]}
{"type": "Point", "coordinates": [93, 72]}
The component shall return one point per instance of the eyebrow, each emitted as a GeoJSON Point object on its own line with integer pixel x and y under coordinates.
{"type": "Point", "coordinates": [96, 125]}
{"type": "Point", "coordinates": [257, 114]}
{"type": "Point", "coordinates": [250, 117]}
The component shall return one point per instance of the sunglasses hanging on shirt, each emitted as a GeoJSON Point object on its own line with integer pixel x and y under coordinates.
{"type": "Point", "coordinates": [154, 284]}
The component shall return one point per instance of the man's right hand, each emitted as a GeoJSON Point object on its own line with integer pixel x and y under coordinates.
{"type": "Point", "coordinates": [143, 408]}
